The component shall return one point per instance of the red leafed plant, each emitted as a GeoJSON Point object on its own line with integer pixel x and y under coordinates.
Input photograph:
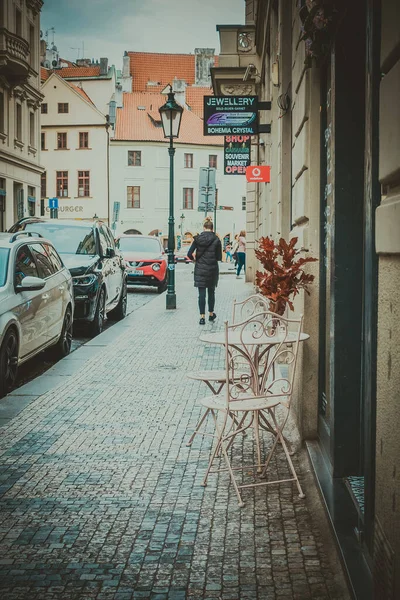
{"type": "Point", "coordinates": [284, 274]}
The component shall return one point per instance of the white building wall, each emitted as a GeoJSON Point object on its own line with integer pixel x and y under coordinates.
{"type": "Point", "coordinates": [153, 179]}
{"type": "Point", "coordinates": [100, 91]}
{"type": "Point", "coordinates": [82, 117]}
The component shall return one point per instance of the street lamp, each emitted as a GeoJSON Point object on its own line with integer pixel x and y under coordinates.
{"type": "Point", "coordinates": [171, 115]}
{"type": "Point", "coordinates": [182, 219]}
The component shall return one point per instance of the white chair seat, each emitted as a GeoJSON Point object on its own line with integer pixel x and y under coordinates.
{"type": "Point", "coordinates": [245, 402]}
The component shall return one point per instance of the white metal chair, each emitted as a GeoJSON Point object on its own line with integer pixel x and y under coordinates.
{"type": "Point", "coordinates": [213, 378]}
{"type": "Point", "coordinates": [265, 342]}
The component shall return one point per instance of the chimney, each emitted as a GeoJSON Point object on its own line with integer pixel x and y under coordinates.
{"type": "Point", "coordinates": [205, 58]}
{"type": "Point", "coordinates": [126, 80]}
{"type": "Point", "coordinates": [118, 96]}
{"type": "Point", "coordinates": [179, 89]}
{"type": "Point", "coordinates": [103, 66]}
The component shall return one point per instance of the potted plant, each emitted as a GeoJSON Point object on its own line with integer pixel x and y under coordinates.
{"type": "Point", "coordinates": [283, 276]}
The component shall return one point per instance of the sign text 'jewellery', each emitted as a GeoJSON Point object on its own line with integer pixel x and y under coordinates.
{"type": "Point", "coordinates": [230, 115]}
{"type": "Point", "coordinates": [237, 150]}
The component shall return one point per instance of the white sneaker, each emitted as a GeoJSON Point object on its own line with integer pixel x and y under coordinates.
{"type": "Point", "coordinates": [238, 277]}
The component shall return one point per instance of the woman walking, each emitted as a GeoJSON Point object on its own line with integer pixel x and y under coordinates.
{"type": "Point", "coordinates": [208, 251]}
{"type": "Point", "coordinates": [241, 253]}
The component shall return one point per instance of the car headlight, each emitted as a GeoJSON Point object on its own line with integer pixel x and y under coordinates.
{"type": "Point", "coordinates": [84, 279]}
{"type": "Point", "coordinates": [156, 267]}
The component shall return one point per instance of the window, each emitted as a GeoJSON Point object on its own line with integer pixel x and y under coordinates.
{"type": "Point", "coordinates": [54, 258]}
{"type": "Point", "coordinates": [43, 185]}
{"type": "Point", "coordinates": [61, 141]}
{"type": "Point", "coordinates": [83, 139]}
{"type": "Point", "coordinates": [2, 113]}
{"type": "Point", "coordinates": [25, 266]}
{"type": "Point", "coordinates": [188, 198]}
{"type": "Point", "coordinates": [32, 129]}
{"type": "Point", "coordinates": [212, 161]}
{"type": "Point", "coordinates": [134, 158]}
{"type": "Point", "coordinates": [43, 108]}
{"type": "Point", "coordinates": [188, 161]}
{"type": "Point", "coordinates": [32, 44]}
{"type": "Point", "coordinates": [31, 201]}
{"type": "Point", "coordinates": [18, 22]}
{"type": "Point", "coordinates": [43, 261]}
{"type": "Point", "coordinates": [62, 184]}
{"type": "Point", "coordinates": [18, 124]}
{"type": "Point", "coordinates": [133, 196]}
{"type": "Point", "coordinates": [43, 141]}
{"type": "Point", "coordinates": [243, 202]}
{"type": "Point", "coordinates": [83, 184]}
{"type": "Point", "coordinates": [63, 107]}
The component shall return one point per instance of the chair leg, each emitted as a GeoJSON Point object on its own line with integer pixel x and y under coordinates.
{"type": "Point", "coordinates": [289, 460]}
{"type": "Point", "coordinates": [199, 424]}
{"type": "Point", "coordinates": [228, 464]}
{"type": "Point", "coordinates": [256, 430]}
{"type": "Point", "coordinates": [215, 451]}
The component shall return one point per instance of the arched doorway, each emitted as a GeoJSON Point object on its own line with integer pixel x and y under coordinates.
{"type": "Point", "coordinates": [155, 232]}
{"type": "Point", "coordinates": [132, 232]}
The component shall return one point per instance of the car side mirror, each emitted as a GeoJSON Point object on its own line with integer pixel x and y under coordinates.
{"type": "Point", "coordinates": [31, 284]}
{"type": "Point", "coordinates": [110, 253]}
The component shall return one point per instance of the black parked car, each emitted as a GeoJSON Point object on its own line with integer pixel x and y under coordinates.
{"type": "Point", "coordinates": [97, 268]}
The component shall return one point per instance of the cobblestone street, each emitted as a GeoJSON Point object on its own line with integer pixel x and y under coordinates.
{"type": "Point", "coordinates": [101, 498]}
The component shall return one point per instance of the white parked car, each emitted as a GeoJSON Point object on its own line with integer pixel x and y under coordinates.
{"type": "Point", "coordinates": [36, 302]}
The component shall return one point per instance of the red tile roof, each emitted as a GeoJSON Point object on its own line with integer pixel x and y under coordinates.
{"type": "Point", "coordinates": [67, 72]}
{"type": "Point", "coordinates": [44, 74]}
{"type": "Point", "coordinates": [80, 91]}
{"type": "Point", "coordinates": [161, 69]}
{"type": "Point", "coordinates": [140, 124]}
{"type": "Point", "coordinates": [194, 98]}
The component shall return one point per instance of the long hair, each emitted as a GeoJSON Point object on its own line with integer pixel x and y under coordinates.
{"type": "Point", "coordinates": [242, 233]}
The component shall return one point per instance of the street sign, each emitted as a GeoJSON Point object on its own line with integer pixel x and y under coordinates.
{"type": "Point", "coordinates": [237, 150]}
{"type": "Point", "coordinates": [225, 207]}
{"type": "Point", "coordinates": [206, 189]}
{"type": "Point", "coordinates": [116, 209]}
{"type": "Point", "coordinates": [230, 115]}
{"type": "Point", "coordinates": [53, 203]}
{"type": "Point", "coordinates": [258, 174]}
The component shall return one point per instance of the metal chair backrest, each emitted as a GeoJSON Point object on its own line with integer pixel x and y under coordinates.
{"type": "Point", "coordinates": [250, 306]}
{"type": "Point", "coordinates": [258, 351]}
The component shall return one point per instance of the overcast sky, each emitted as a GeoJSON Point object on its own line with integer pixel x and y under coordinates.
{"type": "Point", "coordinates": [109, 27]}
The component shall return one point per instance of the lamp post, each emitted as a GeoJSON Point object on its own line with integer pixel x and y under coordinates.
{"type": "Point", "coordinates": [171, 115]}
{"type": "Point", "coordinates": [182, 219]}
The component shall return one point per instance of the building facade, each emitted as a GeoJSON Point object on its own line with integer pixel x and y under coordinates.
{"type": "Point", "coordinates": [140, 174]}
{"type": "Point", "coordinates": [331, 72]}
{"type": "Point", "coordinates": [20, 98]}
{"type": "Point", "coordinates": [74, 145]}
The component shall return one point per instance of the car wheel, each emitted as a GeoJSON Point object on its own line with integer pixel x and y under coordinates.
{"type": "Point", "coordinates": [63, 346]}
{"type": "Point", "coordinates": [97, 324]}
{"type": "Point", "coordinates": [119, 312]}
{"type": "Point", "coordinates": [162, 287]}
{"type": "Point", "coordinates": [8, 362]}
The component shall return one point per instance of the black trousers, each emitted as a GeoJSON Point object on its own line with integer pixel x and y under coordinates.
{"type": "Point", "coordinates": [202, 299]}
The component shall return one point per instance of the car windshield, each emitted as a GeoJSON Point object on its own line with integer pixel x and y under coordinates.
{"type": "Point", "coordinates": [4, 254]}
{"type": "Point", "coordinates": [67, 239]}
{"type": "Point", "coordinates": [137, 244]}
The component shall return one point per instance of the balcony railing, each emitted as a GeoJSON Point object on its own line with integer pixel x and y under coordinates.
{"type": "Point", "coordinates": [14, 56]}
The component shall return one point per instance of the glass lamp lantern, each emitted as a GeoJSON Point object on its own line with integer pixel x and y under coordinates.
{"type": "Point", "coordinates": [171, 116]}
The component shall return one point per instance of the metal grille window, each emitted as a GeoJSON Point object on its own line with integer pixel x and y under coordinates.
{"type": "Point", "coordinates": [2, 113]}
{"type": "Point", "coordinates": [32, 129]}
{"type": "Point", "coordinates": [83, 184]}
{"type": "Point", "coordinates": [43, 185]}
{"type": "Point", "coordinates": [243, 202]}
{"type": "Point", "coordinates": [43, 141]}
{"type": "Point", "coordinates": [134, 158]}
{"type": "Point", "coordinates": [18, 128]}
{"type": "Point", "coordinates": [133, 196]}
{"type": "Point", "coordinates": [188, 198]}
{"type": "Point", "coordinates": [31, 201]}
{"type": "Point", "coordinates": [188, 161]}
{"type": "Point", "coordinates": [62, 184]}
{"type": "Point", "coordinates": [63, 107]}
{"type": "Point", "coordinates": [83, 139]}
{"type": "Point", "coordinates": [212, 161]}
{"type": "Point", "coordinates": [43, 108]}
{"type": "Point", "coordinates": [61, 141]}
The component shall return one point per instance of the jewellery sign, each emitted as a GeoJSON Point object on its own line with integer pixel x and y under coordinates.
{"type": "Point", "coordinates": [236, 154]}
{"type": "Point", "coordinates": [230, 115]}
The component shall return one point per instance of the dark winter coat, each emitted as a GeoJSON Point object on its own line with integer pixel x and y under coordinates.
{"type": "Point", "coordinates": [208, 249]}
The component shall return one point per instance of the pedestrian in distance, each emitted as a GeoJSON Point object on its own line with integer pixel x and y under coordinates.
{"type": "Point", "coordinates": [241, 253]}
{"type": "Point", "coordinates": [234, 249]}
{"type": "Point", "coordinates": [206, 251]}
{"type": "Point", "coordinates": [228, 252]}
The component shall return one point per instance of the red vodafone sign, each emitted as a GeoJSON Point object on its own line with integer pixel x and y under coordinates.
{"type": "Point", "coordinates": [262, 174]}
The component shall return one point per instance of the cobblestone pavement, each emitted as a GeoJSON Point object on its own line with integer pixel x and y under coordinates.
{"type": "Point", "coordinates": [101, 498]}
{"type": "Point", "coordinates": [137, 297]}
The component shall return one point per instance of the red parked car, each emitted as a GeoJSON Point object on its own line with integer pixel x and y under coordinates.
{"type": "Point", "coordinates": [145, 260]}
